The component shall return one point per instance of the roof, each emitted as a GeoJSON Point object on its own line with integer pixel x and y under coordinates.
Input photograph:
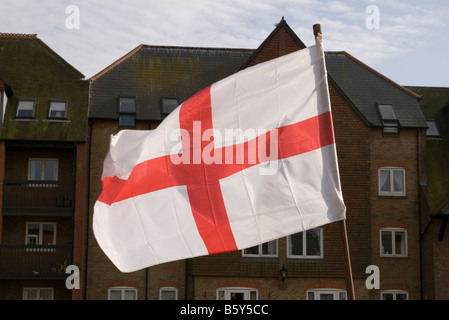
{"type": "Point", "coordinates": [150, 73]}
{"type": "Point", "coordinates": [435, 105]}
{"type": "Point", "coordinates": [365, 88]}
{"type": "Point", "coordinates": [30, 70]}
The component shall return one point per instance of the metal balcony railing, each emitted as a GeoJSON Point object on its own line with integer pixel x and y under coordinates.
{"type": "Point", "coordinates": [38, 195]}
{"type": "Point", "coordinates": [34, 262]}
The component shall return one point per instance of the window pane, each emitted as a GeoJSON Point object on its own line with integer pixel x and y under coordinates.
{"type": "Point", "coordinates": [313, 242]}
{"type": "Point", "coordinates": [33, 234]}
{"type": "Point", "coordinates": [30, 294]}
{"type": "Point", "coordinates": [130, 294]}
{"type": "Point", "coordinates": [127, 105]}
{"type": "Point", "coordinates": [296, 244]}
{"type": "Point", "coordinates": [384, 177]}
{"type": "Point", "coordinates": [326, 296]}
{"type": "Point", "coordinates": [115, 295]}
{"type": "Point", "coordinates": [48, 234]}
{"type": "Point", "coordinates": [387, 296]}
{"type": "Point", "coordinates": [398, 181]}
{"type": "Point", "coordinates": [387, 245]}
{"type": "Point", "coordinates": [221, 295]}
{"type": "Point", "coordinates": [252, 250]}
{"type": "Point", "coordinates": [168, 295]}
{"type": "Point", "coordinates": [25, 108]}
{"type": "Point", "coordinates": [237, 296]}
{"type": "Point", "coordinates": [253, 295]}
{"type": "Point", "coordinates": [46, 294]}
{"type": "Point", "coordinates": [50, 170]}
{"type": "Point", "coordinates": [387, 112]}
{"type": "Point", "coordinates": [310, 296]}
{"type": "Point", "coordinates": [401, 296]}
{"type": "Point", "coordinates": [35, 170]}
{"type": "Point", "coordinates": [168, 105]}
{"type": "Point", "coordinates": [269, 247]}
{"type": "Point", "coordinates": [58, 109]}
{"type": "Point", "coordinates": [399, 238]}
{"type": "Point", "coordinates": [127, 121]}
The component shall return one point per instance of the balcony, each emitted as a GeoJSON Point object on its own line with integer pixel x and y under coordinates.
{"type": "Point", "coordinates": [34, 262]}
{"type": "Point", "coordinates": [38, 197]}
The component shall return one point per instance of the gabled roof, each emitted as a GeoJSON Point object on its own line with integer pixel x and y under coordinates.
{"type": "Point", "coordinates": [31, 70]}
{"type": "Point", "coordinates": [277, 37]}
{"type": "Point", "coordinates": [150, 73]}
{"type": "Point", "coordinates": [7, 39]}
{"type": "Point", "coordinates": [366, 88]}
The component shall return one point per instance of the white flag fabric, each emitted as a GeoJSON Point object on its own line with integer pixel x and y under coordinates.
{"type": "Point", "coordinates": [249, 159]}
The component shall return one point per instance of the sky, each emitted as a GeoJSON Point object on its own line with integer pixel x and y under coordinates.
{"type": "Point", "coordinates": [405, 40]}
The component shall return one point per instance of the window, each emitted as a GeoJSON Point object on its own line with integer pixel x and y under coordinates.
{"type": "Point", "coordinates": [267, 249]}
{"type": "Point", "coordinates": [393, 242]}
{"type": "Point", "coordinates": [394, 295]}
{"type": "Point", "coordinates": [391, 182]}
{"type": "Point", "coordinates": [168, 105]}
{"type": "Point", "coordinates": [25, 108]}
{"type": "Point", "coordinates": [168, 293]}
{"type": "Point", "coordinates": [122, 293]}
{"type": "Point", "coordinates": [237, 294]}
{"type": "Point", "coordinates": [37, 293]}
{"type": "Point", "coordinates": [57, 109]}
{"type": "Point", "coordinates": [40, 233]}
{"type": "Point", "coordinates": [42, 170]}
{"type": "Point", "coordinates": [326, 294]}
{"type": "Point", "coordinates": [307, 244]}
{"type": "Point", "coordinates": [389, 119]}
{"type": "Point", "coordinates": [432, 130]}
{"type": "Point", "coordinates": [127, 112]}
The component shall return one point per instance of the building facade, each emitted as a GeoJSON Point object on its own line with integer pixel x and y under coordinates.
{"type": "Point", "coordinates": [43, 178]}
{"type": "Point", "coordinates": [380, 137]}
{"type": "Point", "coordinates": [55, 129]}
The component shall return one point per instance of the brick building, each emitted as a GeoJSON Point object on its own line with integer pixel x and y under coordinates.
{"type": "Point", "coordinates": [380, 137]}
{"type": "Point", "coordinates": [435, 194]}
{"type": "Point", "coordinates": [43, 181]}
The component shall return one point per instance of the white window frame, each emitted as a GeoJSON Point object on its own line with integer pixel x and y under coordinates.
{"type": "Point", "coordinates": [248, 293]}
{"type": "Point", "coordinates": [337, 294]}
{"type": "Point", "coordinates": [42, 174]}
{"type": "Point", "coordinates": [27, 290]}
{"type": "Point", "coordinates": [55, 106]}
{"type": "Point", "coordinates": [260, 254]}
{"type": "Point", "coordinates": [38, 238]}
{"type": "Point", "coordinates": [393, 244]}
{"type": "Point", "coordinates": [394, 294]}
{"type": "Point", "coordinates": [392, 192]}
{"type": "Point", "coordinates": [26, 107]}
{"type": "Point", "coordinates": [122, 290]}
{"type": "Point", "coordinates": [304, 246]}
{"type": "Point", "coordinates": [168, 289]}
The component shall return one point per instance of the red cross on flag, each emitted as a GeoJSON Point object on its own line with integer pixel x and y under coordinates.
{"type": "Point", "coordinates": [249, 159]}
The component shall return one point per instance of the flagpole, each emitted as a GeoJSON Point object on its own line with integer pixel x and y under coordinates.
{"type": "Point", "coordinates": [342, 223]}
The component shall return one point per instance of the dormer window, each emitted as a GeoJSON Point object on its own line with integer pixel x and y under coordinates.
{"type": "Point", "coordinates": [57, 109]}
{"type": "Point", "coordinates": [127, 112]}
{"type": "Point", "coordinates": [25, 108]}
{"type": "Point", "coordinates": [389, 119]}
{"type": "Point", "coordinates": [168, 105]}
{"type": "Point", "coordinates": [432, 130]}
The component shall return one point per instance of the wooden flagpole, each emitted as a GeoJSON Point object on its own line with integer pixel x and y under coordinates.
{"type": "Point", "coordinates": [342, 223]}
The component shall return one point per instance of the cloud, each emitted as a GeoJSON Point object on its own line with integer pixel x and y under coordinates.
{"type": "Point", "coordinates": [109, 28]}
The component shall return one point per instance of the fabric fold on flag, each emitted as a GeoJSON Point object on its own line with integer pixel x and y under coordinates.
{"type": "Point", "coordinates": [247, 160]}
